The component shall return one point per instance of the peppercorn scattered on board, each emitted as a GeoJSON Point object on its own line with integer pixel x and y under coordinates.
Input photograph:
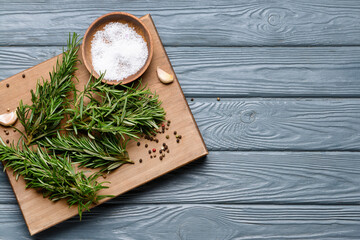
{"type": "Point", "coordinates": [41, 213]}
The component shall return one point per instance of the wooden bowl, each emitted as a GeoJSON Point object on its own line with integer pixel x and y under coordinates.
{"type": "Point", "coordinates": [99, 25]}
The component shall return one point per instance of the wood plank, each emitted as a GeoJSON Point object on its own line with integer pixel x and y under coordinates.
{"type": "Point", "coordinates": [194, 221]}
{"type": "Point", "coordinates": [40, 213]}
{"type": "Point", "coordinates": [234, 72]}
{"type": "Point", "coordinates": [190, 23]}
{"type": "Point", "coordinates": [250, 177]}
{"type": "Point", "coordinates": [278, 124]}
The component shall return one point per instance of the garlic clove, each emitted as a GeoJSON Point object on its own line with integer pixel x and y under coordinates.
{"type": "Point", "coordinates": [8, 119]}
{"type": "Point", "coordinates": [164, 77]}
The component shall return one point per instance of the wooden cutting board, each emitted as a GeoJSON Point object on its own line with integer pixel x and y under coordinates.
{"type": "Point", "coordinates": [41, 213]}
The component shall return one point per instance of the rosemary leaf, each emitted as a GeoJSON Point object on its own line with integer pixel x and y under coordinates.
{"type": "Point", "coordinates": [44, 115]}
{"type": "Point", "coordinates": [54, 175]}
{"type": "Point", "coordinates": [127, 111]}
{"type": "Point", "coordinates": [106, 152]}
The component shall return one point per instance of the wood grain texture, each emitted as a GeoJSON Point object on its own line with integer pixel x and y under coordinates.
{"type": "Point", "coordinates": [250, 177]}
{"type": "Point", "coordinates": [234, 72]}
{"type": "Point", "coordinates": [193, 221]}
{"type": "Point", "coordinates": [190, 23]}
{"type": "Point", "coordinates": [278, 124]}
{"type": "Point", "coordinates": [180, 205]}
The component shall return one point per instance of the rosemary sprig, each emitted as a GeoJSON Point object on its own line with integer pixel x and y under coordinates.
{"type": "Point", "coordinates": [126, 111]}
{"type": "Point", "coordinates": [43, 116]}
{"type": "Point", "coordinates": [55, 175]}
{"type": "Point", "coordinates": [106, 152]}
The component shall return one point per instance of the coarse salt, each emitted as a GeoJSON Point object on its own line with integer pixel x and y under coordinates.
{"type": "Point", "coordinates": [118, 51]}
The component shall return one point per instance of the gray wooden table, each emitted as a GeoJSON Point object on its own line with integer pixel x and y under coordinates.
{"type": "Point", "coordinates": [284, 140]}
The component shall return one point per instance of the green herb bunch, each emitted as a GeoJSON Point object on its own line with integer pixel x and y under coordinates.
{"type": "Point", "coordinates": [127, 111]}
{"type": "Point", "coordinates": [43, 116]}
{"type": "Point", "coordinates": [106, 152]}
{"type": "Point", "coordinates": [100, 121]}
{"type": "Point", "coordinates": [54, 175]}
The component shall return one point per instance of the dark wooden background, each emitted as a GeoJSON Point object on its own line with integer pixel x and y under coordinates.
{"type": "Point", "coordinates": [284, 140]}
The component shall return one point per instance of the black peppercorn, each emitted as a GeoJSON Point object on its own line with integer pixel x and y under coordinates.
{"type": "Point", "coordinates": [160, 157]}
{"type": "Point", "coordinates": [23, 76]}
{"type": "Point", "coordinates": [149, 151]}
{"type": "Point", "coordinates": [192, 99]}
{"type": "Point", "coordinates": [138, 143]}
{"type": "Point", "coordinates": [168, 151]}
{"type": "Point", "coordinates": [146, 145]}
{"type": "Point", "coordinates": [7, 141]}
{"type": "Point", "coordinates": [160, 151]}
{"type": "Point", "coordinates": [7, 85]}
{"type": "Point", "coordinates": [140, 161]}
{"type": "Point", "coordinates": [177, 140]}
